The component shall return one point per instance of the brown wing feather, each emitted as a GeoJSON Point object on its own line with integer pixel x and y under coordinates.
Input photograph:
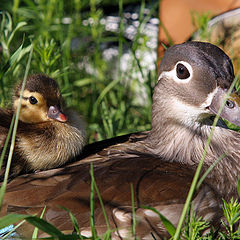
{"type": "Point", "coordinates": [156, 183]}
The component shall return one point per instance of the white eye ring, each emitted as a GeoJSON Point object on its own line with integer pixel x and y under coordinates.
{"type": "Point", "coordinates": [173, 73]}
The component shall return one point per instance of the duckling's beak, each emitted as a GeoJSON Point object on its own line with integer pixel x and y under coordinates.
{"type": "Point", "coordinates": [231, 109]}
{"type": "Point", "coordinates": [55, 114]}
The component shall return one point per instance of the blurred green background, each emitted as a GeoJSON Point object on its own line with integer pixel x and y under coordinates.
{"type": "Point", "coordinates": [100, 53]}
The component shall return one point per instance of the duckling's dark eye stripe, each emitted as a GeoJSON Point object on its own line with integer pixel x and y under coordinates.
{"type": "Point", "coordinates": [25, 98]}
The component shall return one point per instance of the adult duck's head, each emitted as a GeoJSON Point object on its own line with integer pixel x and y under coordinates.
{"type": "Point", "coordinates": [41, 100]}
{"type": "Point", "coordinates": [193, 81]}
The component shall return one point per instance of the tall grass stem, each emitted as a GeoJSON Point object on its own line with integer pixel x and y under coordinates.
{"type": "Point", "coordinates": [4, 184]}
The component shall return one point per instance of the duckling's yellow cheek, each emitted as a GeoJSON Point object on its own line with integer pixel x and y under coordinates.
{"type": "Point", "coordinates": [32, 113]}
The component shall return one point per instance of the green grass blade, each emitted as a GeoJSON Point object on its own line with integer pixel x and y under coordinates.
{"type": "Point", "coordinates": [102, 206]}
{"type": "Point", "coordinates": [83, 82]}
{"type": "Point", "coordinates": [74, 221]}
{"type": "Point", "coordinates": [11, 219]}
{"type": "Point", "coordinates": [15, 8]}
{"type": "Point", "coordinates": [238, 187]}
{"type": "Point", "coordinates": [19, 25]}
{"type": "Point", "coordinates": [134, 223]}
{"type": "Point", "coordinates": [4, 184]}
{"type": "Point", "coordinates": [209, 170]}
{"type": "Point", "coordinates": [7, 236]}
{"type": "Point", "coordinates": [167, 224]}
{"type": "Point", "coordinates": [235, 218]}
{"type": "Point", "coordinates": [35, 232]}
{"type": "Point", "coordinates": [107, 235]}
{"type": "Point", "coordinates": [105, 91]}
{"type": "Point", "coordinates": [120, 36]}
{"type": "Point", "coordinates": [20, 52]}
{"type": "Point", "coordinates": [92, 222]}
{"type": "Point", "coordinates": [45, 226]}
{"type": "Point", "coordinates": [6, 142]}
{"type": "Point", "coordinates": [164, 46]}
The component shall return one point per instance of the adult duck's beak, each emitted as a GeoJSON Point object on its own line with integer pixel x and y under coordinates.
{"type": "Point", "coordinates": [55, 114]}
{"type": "Point", "coordinates": [231, 109]}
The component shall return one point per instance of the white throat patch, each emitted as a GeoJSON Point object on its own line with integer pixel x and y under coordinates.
{"type": "Point", "coordinates": [189, 114]}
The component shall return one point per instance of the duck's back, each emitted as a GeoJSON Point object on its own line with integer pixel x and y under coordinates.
{"type": "Point", "coordinates": [154, 182]}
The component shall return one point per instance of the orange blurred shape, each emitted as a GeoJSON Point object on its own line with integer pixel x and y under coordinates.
{"type": "Point", "coordinates": [176, 17]}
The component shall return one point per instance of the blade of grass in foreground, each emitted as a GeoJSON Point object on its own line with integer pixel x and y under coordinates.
{"type": "Point", "coordinates": [134, 224]}
{"type": "Point", "coordinates": [167, 224]}
{"type": "Point", "coordinates": [107, 235]}
{"type": "Point", "coordinates": [35, 232]}
{"type": "Point", "coordinates": [4, 184]}
{"type": "Point", "coordinates": [197, 173]}
{"type": "Point", "coordinates": [238, 187]}
{"type": "Point", "coordinates": [74, 221]}
{"type": "Point", "coordinates": [37, 222]}
{"type": "Point", "coordinates": [102, 206]}
{"type": "Point", "coordinates": [6, 142]}
{"type": "Point", "coordinates": [93, 229]}
{"type": "Point", "coordinates": [8, 235]}
{"type": "Point", "coordinates": [45, 227]}
{"type": "Point", "coordinates": [209, 170]}
{"type": "Point", "coordinates": [11, 219]}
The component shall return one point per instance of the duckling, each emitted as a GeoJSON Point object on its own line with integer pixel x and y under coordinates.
{"type": "Point", "coordinates": [46, 137]}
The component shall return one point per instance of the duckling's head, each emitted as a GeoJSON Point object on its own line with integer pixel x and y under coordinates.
{"type": "Point", "coordinates": [41, 100]}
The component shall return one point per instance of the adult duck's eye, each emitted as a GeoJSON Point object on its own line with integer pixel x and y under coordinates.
{"type": "Point", "coordinates": [33, 100]}
{"type": "Point", "coordinates": [230, 104]}
{"type": "Point", "coordinates": [182, 72]}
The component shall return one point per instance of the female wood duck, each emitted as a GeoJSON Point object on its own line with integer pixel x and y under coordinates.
{"type": "Point", "coordinates": [193, 80]}
{"type": "Point", "coordinates": [46, 137]}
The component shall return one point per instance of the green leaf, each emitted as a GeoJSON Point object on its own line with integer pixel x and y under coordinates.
{"type": "Point", "coordinates": [45, 226]}
{"type": "Point", "coordinates": [238, 187]}
{"type": "Point", "coordinates": [11, 219]}
{"type": "Point", "coordinates": [134, 222]}
{"type": "Point", "coordinates": [235, 218]}
{"type": "Point", "coordinates": [19, 25]}
{"type": "Point", "coordinates": [6, 23]}
{"type": "Point", "coordinates": [167, 224]}
{"type": "Point", "coordinates": [82, 82]}
{"type": "Point", "coordinates": [19, 53]}
{"type": "Point", "coordinates": [92, 222]}
{"type": "Point", "coordinates": [9, 160]}
{"type": "Point", "coordinates": [74, 221]}
{"type": "Point", "coordinates": [35, 232]}
{"type": "Point", "coordinates": [164, 46]}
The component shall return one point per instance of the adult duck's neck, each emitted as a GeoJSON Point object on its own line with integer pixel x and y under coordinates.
{"type": "Point", "coordinates": [174, 142]}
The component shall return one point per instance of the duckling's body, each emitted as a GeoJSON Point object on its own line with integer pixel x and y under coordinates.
{"type": "Point", "coordinates": [46, 137]}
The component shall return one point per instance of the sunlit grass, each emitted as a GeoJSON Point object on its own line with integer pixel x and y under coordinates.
{"type": "Point", "coordinates": [96, 93]}
{"type": "Point", "coordinates": [101, 95]}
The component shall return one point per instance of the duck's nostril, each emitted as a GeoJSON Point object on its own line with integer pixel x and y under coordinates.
{"type": "Point", "coordinates": [55, 113]}
{"type": "Point", "coordinates": [53, 110]}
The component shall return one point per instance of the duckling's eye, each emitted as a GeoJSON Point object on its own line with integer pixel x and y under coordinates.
{"type": "Point", "coordinates": [182, 71]}
{"type": "Point", "coordinates": [33, 100]}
